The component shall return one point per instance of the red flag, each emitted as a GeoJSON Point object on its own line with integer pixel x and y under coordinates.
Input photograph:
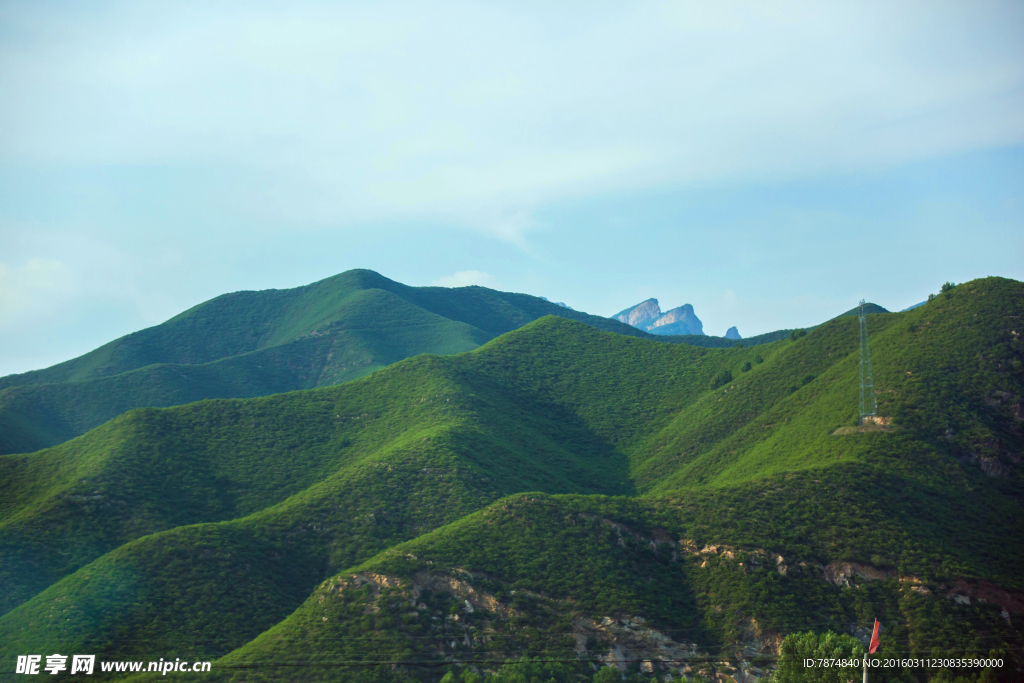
{"type": "Point", "coordinates": [874, 639]}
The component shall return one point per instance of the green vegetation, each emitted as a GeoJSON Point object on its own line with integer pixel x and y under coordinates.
{"type": "Point", "coordinates": [869, 309]}
{"type": "Point", "coordinates": [251, 344]}
{"type": "Point", "coordinates": [723, 377]}
{"type": "Point", "coordinates": [551, 576]}
{"type": "Point", "coordinates": [560, 493]}
{"type": "Point", "coordinates": [797, 648]}
{"type": "Point", "coordinates": [708, 342]}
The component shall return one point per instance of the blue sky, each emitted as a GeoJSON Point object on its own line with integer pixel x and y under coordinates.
{"type": "Point", "coordinates": [770, 163]}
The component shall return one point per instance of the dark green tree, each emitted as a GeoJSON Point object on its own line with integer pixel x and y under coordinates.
{"type": "Point", "coordinates": [608, 674]}
{"type": "Point", "coordinates": [532, 671]}
{"type": "Point", "coordinates": [798, 648]}
{"type": "Point", "coordinates": [723, 377]}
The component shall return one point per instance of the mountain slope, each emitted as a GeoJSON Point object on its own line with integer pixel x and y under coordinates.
{"type": "Point", "coordinates": [284, 491]}
{"type": "Point", "coordinates": [150, 470]}
{"type": "Point", "coordinates": [907, 521]}
{"type": "Point", "coordinates": [251, 344]}
{"type": "Point", "coordinates": [602, 580]}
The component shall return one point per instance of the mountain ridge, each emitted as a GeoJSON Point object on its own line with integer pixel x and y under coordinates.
{"type": "Point", "coordinates": [248, 344]}
{"type": "Point", "coordinates": [441, 453]}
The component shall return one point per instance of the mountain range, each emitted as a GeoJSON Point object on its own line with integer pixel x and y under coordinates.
{"type": "Point", "coordinates": [588, 498]}
{"type": "Point", "coordinates": [248, 344]}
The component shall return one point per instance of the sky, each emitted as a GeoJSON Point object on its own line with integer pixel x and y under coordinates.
{"type": "Point", "coordinates": [770, 163]}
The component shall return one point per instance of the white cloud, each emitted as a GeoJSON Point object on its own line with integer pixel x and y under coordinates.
{"type": "Point", "coordinates": [465, 278]}
{"type": "Point", "coordinates": [477, 114]}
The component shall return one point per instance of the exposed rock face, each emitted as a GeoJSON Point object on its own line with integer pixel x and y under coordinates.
{"type": "Point", "coordinates": [733, 333]}
{"type": "Point", "coordinates": [680, 320]}
{"type": "Point", "coordinates": [983, 591]}
{"type": "Point", "coordinates": [623, 639]}
{"type": "Point", "coordinates": [647, 316]}
{"type": "Point", "coordinates": [995, 457]}
{"type": "Point", "coordinates": [840, 573]}
{"type": "Point", "coordinates": [641, 315]}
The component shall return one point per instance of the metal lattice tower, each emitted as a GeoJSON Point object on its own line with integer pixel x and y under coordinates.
{"type": "Point", "coordinates": [868, 407]}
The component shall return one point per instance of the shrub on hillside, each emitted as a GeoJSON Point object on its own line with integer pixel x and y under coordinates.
{"type": "Point", "coordinates": [608, 674]}
{"type": "Point", "coordinates": [723, 377]}
{"type": "Point", "coordinates": [531, 671]}
{"type": "Point", "coordinates": [798, 647]}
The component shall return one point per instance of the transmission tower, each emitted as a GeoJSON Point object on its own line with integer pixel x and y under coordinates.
{"type": "Point", "coordinates": [868, 407]}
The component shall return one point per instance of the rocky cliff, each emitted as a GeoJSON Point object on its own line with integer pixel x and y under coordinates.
{"type": "Point", "coordinates": [648, 316]}
{"type": "Point", "coordinates": [640, 316]}
{"type": "Point", "coordinates": [680, 320]}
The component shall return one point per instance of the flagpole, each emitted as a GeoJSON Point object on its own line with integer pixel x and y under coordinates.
{"type": "Point", "coordinates": [871, 649]}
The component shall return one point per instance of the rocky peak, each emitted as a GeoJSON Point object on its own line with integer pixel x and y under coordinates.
{"type": "Point", "coordinates": [680, 320]}
{"type": "Point", "coordinates": [641, 315]}
{"type": "Point", "coordinates": [732, 333]}
{"type": "Point", "coordinates": [648, 316]}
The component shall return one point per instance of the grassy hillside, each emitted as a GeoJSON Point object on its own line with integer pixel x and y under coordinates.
{"type": "Point", "coordinates": [358, 300]}
{"type": "Point", "coordinates": [150, 470]}
{"type": "Point", "coordinates": [596, 579]}
{"type": "Point", "coordinates": [643, 454]}
{"type": "Point", "coordinates": [251, 344]}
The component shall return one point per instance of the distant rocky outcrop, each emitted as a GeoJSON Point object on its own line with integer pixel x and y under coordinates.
{"type": "Point", "coordinates": [733, 333]}
{"type": "Point", "coordinates": [640, 316]}
{"type": "Point", "coordinates": [647, 315]}
{"type": "Point", "coordinates": [680, 320]}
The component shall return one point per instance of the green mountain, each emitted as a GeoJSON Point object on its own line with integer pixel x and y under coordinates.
{"type": "Point", "coordinates": [560, 492]}
{"type": "Point", "coordinates": [250, 344]}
